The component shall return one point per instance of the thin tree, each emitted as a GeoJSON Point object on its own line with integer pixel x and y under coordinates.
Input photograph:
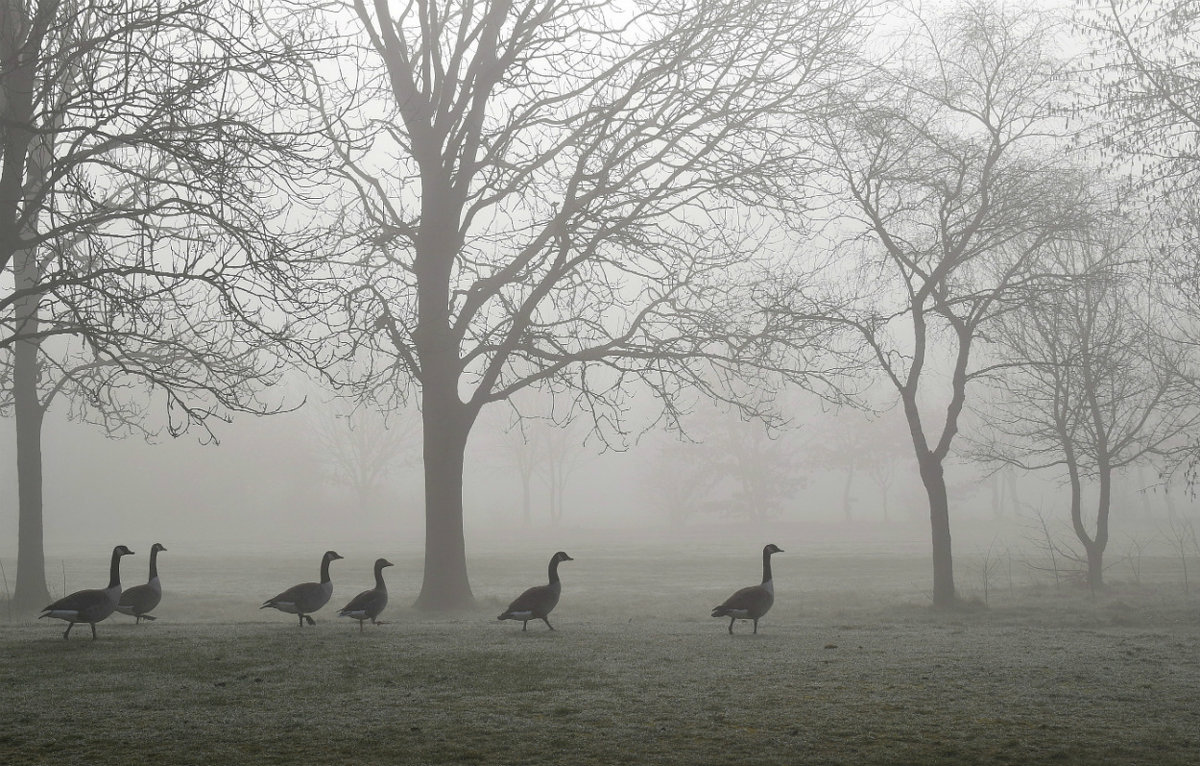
{"type": "Point", "coordinates": [1089, 389]}
{"type": "Point", "coordinates": [555, 194]}
{"type": "Point", "coordinates": [947, 165]}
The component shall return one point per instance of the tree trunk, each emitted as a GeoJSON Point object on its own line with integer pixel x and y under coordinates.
{"type": "Point", "coordinates": [30, 592]}
{"type": "Point", "coordinates": [1095, 551]}
{"type": "Point", "coordinates": [933, 477]}
{"type": "Point", "coordinates": [447, 425]}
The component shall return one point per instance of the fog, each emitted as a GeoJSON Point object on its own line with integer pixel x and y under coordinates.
{"type": "Point", "coordinates": [269, 485]}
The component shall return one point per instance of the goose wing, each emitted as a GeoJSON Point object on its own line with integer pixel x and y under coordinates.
{"type": "Point", "coordinates": [305, 597]}
{"type": "Point", "coordinates": [753, 600]}
{"type": "Point", "coordinates": [80, 599]}
{"type": "Point", "coordinates": [138, 600]}
{"type": "Point", "coordinates": [538, 600]}
{"type": "Point", "coordinates": [369, 602]}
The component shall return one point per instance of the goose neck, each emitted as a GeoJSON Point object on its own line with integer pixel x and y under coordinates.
{"type": "Point", "coordinates": [153, 563]}
{"type": "Point", "coordinates": [114, 570]}
{"type": "Point", "coordinates": [325, 570]}
{"type": "Point", "coordinates": [379, 579]}
{"type": "Point", "coordinates": [553, 570]}
{"type": "Point", "coordinates": [766, 567]}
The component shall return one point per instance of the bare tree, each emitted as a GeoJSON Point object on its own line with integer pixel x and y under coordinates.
{"type": "Point", "coordinates": [555, 194]}
{"type": "Point", "coordinates": [360, 447]}
{"type": "Point", "coordinates": [135, 223]}
{"type": "Point", "coordinates": [1089, 388]}
{"type": "Point", "coordinates": [1144, 69]}
{"type": "Point", "coordinates": [948, 166]}
{"type": "Point", "coordinates": [677, 478]}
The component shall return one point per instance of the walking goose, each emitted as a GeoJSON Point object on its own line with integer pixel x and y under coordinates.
{"type": "Point", "coordinates": [753, 602]}
{"type": "Point", "coordinates": [368, 604]}
{"type": "Point", "coordinates": [93, 605]}
{"type": "Point", "coordinates": [140, 599]}
{"type": "Point", "coordinates": [307, 597]}
{"type": "Point", "coordinates": [538, 601]}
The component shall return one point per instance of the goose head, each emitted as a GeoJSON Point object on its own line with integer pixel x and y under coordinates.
{"type": "Point", "coordinates": [381, 563]}
{"type": "Point", "coordinates": [157, 547]}
{"type": "Point", "coordinates": [121, 550]}
{"type": "Point", "coordinates": [561, 556]}
{"type": "Point", "coordinates": [331, 556]}
{"type": "Point", "coordinates": [772, 548]}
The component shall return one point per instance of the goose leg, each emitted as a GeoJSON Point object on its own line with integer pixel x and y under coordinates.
{"type": "Point", "coordinates": [731, 619]}
{"type": "Point", "coordinates": [301, 618]}
{"type": "Point", "coordinates": [67, 632]}
{"type": "Point", "coordinates": [548, 625]}
{"type": "Point", "coordinates": [93, 630]}
{"type": "Point", "coordinates": [756, 626]}
{"type": "Point", "coordinates": [524, 626]}
{"type": "Point", "coordinates": [311, 621]}
{"type": "Point", "coordinates": [360, 627]}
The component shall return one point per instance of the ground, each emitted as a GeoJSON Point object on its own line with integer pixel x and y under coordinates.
{"type": "Point", "coordinates": [851, 667]}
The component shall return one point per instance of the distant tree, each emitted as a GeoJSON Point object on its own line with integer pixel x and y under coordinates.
{"type": "Point", "coordinates": [543, 449]}
{"type": "Point", "coordinates": [857, 445]}
{"type": "Point", "coordinates": [1089, 388]}
{"type": "Point", "coordinates": [134, 224]}
{"type": "Point", "coordinates": [555, 194]}
{"type": "Point", "coordinates": [360, 446]}
{"type": "Point", "coordinates": [948, 163]}
{"type": "Point", "coordinates": [726, 464]}
{"type": "Point", "coordinates": [677, 478]}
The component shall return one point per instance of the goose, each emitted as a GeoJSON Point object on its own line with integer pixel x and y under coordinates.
{"type": "Point", "coordinates": [752, 602]}
{"type": "Point", "coordinates": [538, 601]}
{"type": "Point", "coordinates": [368, 604]}
{"type": "Point", "coordinates": [307, 597]}
{"type": "Point", "coordinates": [140, 599]}
{"type": "Point", "coordinates": [93, 605]}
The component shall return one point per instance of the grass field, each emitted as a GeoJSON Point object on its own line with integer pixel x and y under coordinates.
{"type": "Point", "coordinates": [851, 667]}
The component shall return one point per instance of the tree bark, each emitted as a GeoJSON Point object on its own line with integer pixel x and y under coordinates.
{"type": "Point", "coordinates": [933, 477]}
{"type": "Point", "coordinates": [31, 591]}
{"type": "Point", "coordinates": [447, 425]}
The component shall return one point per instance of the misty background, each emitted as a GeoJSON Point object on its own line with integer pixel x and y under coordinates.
{"type": "Point", "coordinates": [846, 273]}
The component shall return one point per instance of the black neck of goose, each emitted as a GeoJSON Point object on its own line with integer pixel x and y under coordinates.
{"type": "Point", "coordinates": [553, 570]}
{"type": "Point", "coordinates": [766, 566]}
{"type": "Point", "coordinates": [325, 569]}
{"type": "Point", "coordinates": [153, 563]}
{"type": "Point", "coordinates": [379, 577]}
{"type": "Point", "coordinates": [114, 571]}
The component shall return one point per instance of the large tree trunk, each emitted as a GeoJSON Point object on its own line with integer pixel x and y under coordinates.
{"type": "Point", "coordinates": [31, 591]}
{"type": "Point", "coordinates": [445, 585]}
{"type": "Point", "coordinates": [933, 477]}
